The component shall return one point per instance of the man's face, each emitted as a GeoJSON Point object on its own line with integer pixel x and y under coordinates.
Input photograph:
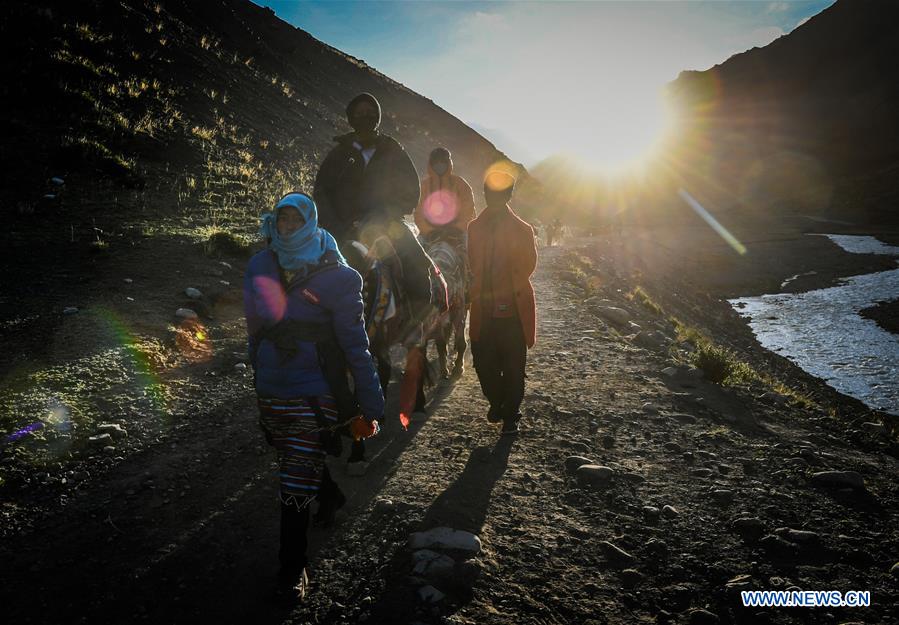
{"type": "Point", "coordinates": [364, 117]}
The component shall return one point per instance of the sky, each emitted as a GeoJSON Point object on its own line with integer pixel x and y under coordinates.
{"type": "Point", "coordinates": [550, 77]}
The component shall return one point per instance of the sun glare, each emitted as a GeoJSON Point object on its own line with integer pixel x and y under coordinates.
{"type": "Point", "coordinates": [621, 135]}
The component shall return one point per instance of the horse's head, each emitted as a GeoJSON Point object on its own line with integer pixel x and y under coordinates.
{"type": "Point", "coordinates": [357, 256]}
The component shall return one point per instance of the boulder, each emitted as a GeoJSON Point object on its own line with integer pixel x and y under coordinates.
{"type": "Point", "coordinates": [446, 538]}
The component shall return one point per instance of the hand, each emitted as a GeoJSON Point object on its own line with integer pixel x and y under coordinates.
{"type": "Point", "coordinates": [362, 428]}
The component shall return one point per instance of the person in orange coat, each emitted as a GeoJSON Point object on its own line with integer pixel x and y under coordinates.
{"type": "Point", "coordinates": [502, 254]}
{"type": "Point", "coordinates": [446, 200]}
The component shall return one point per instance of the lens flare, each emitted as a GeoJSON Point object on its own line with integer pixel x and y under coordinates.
{"type": "Point", "coordinates": [723, 232]}
{"type": "Point", "coordinates": [440, 207]}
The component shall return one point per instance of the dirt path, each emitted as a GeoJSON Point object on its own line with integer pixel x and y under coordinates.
{"type": "Point", "coordinates": [186, 532]}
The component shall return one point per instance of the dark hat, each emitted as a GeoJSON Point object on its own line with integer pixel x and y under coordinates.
{"type": "Point", "coordinates": [364, 97]}
{"type": "Point", "coordinates": [440, 154]}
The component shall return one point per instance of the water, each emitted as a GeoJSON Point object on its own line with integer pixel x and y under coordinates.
{"type": "Point", "coordinates": [822, 332]}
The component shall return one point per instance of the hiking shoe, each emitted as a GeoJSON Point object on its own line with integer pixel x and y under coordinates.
{"type": "Point", "coordinates": [493, 415]}
{"type": "Point", "coordinates": [292, 584]}
{"type": "Point", "coordinates": [510, 425]}
{"type": "Point", "coordinates": [302, 586]}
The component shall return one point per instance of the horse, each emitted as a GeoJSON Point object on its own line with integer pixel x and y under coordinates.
{"type": "Point", "coordinates": [389, 320]}
{"type": "Point", "coordinates": [446, 254]}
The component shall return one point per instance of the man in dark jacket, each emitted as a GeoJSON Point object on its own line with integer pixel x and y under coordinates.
{"type": "Point", "coordinates": [365, 186]}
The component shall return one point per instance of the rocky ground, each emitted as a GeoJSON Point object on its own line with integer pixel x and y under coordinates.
{"type": "Point", "coordinates": [637, 491]}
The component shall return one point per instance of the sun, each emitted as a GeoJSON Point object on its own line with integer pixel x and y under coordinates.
{"type": "Point", "coordinates": [621, 133]}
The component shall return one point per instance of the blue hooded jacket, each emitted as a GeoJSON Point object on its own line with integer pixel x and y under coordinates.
{"type": "Point", "coordinates": [331, 296]}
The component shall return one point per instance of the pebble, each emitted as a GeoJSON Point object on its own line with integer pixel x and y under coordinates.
{"type": "Point", "coordinates": [186, 313]}
{"type": "Point", "coordinates": [701, 472]}
{"type": "Point", "coordinates": [630, 578]}
{"type": "Point", "coordinates": [113, 429]}
{"type": "Point", "coordinates": [798, 536]}
{"type": "Point", "coordinates": [723, 496]}
{"type": "Point", "coordinates": [650, 408]}
{"type": "Point", "coordinates": [615, 554]}
{"type": "Point", "coordinates": [669, 512]}
{"type": "Point", "coordinates": [573, 463]}
{"type": "Point", "coordinates": [778, 547]}
{"type": "Point", "coordinates": [750, 528]}
{"type": "Point", "coordinates": [109, 449]}
{"type": "Point", "coordinates": [193, 293]}
{"type": "Point", "coordinates": [69, 310]}
{"type": "Point", "coordinates": [877, 429]}
{"type": "Point", "coordinates": [682, 417]}
{"type": "Point", "coordinates": [432, 565]}
{"type": "Point", "coordinates": [632, 478]}
{"type": "Point", "coordinates": [651, 513]}
{"type": "Point", "coordinates": [657, 548]}
{"type": "Point", "coordinates": [673, 447]}
{"type": "Point", "coordinates": [608, 441]}
{"type": "Point", "coordinates": [616, 315]}
{"type": "Point", "coordinates": [894, 570]}
{"type": "Point", "coordinates": [429, 594]}
{"type": "Point", "coordinates": [241, 367]}
{"type": "Point", "coordinates": [99, 440]}
{"type": "Point", "coordinates": [128, 281]}
{"type": "Point", "coordinates": [702, 617]}
{"type": "Point", "coordinates": [839, 479]}
{"type": "Point", "coordinates": [594, 474]}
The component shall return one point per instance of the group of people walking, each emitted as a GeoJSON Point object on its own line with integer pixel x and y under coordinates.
{"type": "Point", "coordinates": [305, 311]}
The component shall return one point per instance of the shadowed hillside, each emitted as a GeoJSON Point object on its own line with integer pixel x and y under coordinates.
{"type": "Point", "coordinates": [180, 117]}
{"type": "Point", "coordinates": [807, 120]}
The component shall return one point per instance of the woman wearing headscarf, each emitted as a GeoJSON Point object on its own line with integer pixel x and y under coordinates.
{"type": "Point", "coordinates": [303, 309]}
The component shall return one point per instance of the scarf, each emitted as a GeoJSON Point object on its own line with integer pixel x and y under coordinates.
{"type": "Point", "coordinates": [304, 247]}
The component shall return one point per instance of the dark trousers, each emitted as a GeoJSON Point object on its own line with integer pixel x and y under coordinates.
{"type": "Point", "coordinates": [499, 359]}
{"type": "Point", "coordinates": [294, 539]}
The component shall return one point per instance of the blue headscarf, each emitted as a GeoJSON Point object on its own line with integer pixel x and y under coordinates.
{"type": "Point", "coordinates": [306, 246]}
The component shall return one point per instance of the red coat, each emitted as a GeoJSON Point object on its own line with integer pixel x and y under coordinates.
{"type": "Point", "coordinates": [514, 260]}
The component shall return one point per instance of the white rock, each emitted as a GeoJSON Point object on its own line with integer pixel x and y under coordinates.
{"type": "Point", "coordinates": [186, 313]}
{"type": "Point", "coordinates": [429, 594]}
{"type": "Point", "coordinates": [432, 565]}
{"type": "Point", "coordinates": [69, 310]}
{"type": "Point", "coordinates": [56, 180]}
{"type": "Point", "coordinates": [128, 280]}
{"type": "Point", "coordinates": [241, 366]}
{"type": "Point", "coordinates": [99, 439]}
{"type": "Point", "coordinates": [113, 429]}
{"type": "Point", "coordinates": [193, 293]}
{"type": "Point", "coordinates": [445, 538]}
{"type": "Point", "coordinates": [224, 283]}
{"type": "Point", "coordinates": [224, 264]}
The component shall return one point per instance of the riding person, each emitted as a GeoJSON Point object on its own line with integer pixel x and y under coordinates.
{"type": "Point", "coordinates": [502, 256]}
{"type": "Point", "coordinates": [304, 323]}
{"type": "Point", "coordinates": [365, 186]}
{"type": "Point", "coordinates": [446, 203]}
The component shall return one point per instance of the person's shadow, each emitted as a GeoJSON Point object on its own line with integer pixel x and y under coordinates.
{"type": "Point", "coordinates": [462, 506]}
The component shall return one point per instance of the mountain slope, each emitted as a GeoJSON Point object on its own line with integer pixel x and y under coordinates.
{"type": "Point", "coordinates": [813, 108]}
{"type": "Point", "coordinates": [193, 111]}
